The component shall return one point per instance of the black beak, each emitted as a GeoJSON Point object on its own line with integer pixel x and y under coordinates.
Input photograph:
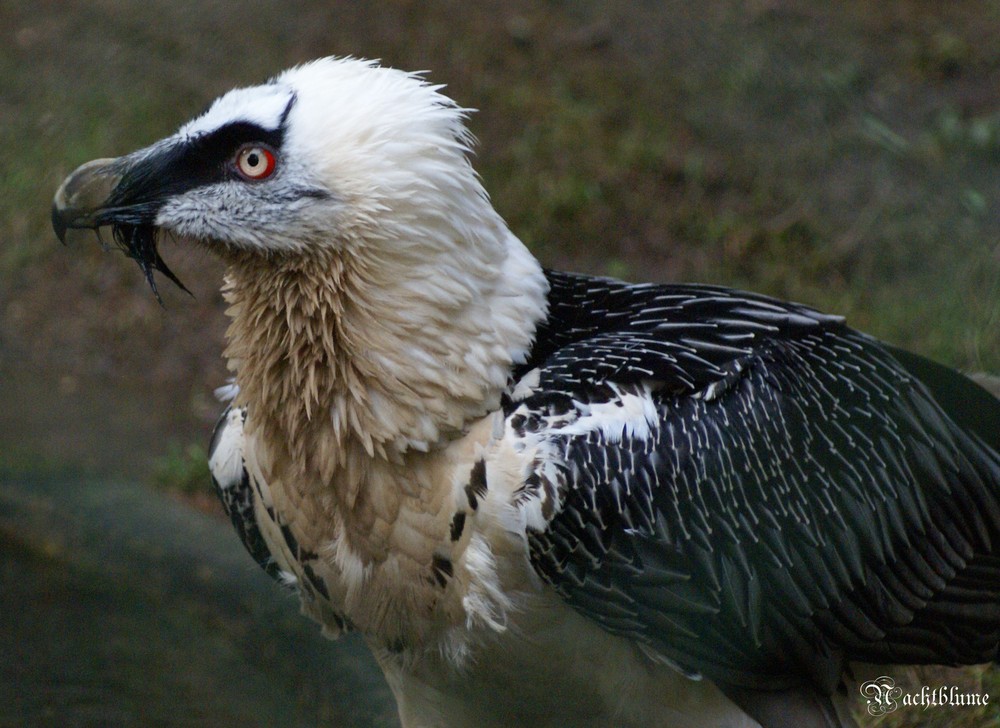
{"type": "Point", "coordinates": [89, 199]}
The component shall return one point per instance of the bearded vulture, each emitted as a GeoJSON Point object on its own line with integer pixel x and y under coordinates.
{"type": "Point", "coordinates": [548, 499]}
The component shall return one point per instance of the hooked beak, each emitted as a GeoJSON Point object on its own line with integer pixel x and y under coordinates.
{"type": "Point", "coordinates": [83, 196]}
{"type": "Point", "coordinates": [92, 197]}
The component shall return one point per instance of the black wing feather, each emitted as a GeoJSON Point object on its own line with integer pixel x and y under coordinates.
{"type": "Point", "coordinates": [803, 499]}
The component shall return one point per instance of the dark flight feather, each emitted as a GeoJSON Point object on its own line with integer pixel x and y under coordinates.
{"type": "Point", "coordinates": [810, 495]}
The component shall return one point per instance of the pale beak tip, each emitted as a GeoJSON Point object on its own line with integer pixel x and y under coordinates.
{"type": "Point", "coordinates": [82, 194]}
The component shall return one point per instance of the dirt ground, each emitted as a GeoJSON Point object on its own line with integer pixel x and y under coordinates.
{"type": "Point", "coordinates": [841, 154]}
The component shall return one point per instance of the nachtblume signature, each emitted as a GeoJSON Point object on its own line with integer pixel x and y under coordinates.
{"type": "Point", "coordinates": [884, 696]}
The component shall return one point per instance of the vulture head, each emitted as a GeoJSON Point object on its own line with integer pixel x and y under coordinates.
{"type": "Point", "coordinates": [341, 189]}
{"type": "Point", "coordinates": [325, 158]}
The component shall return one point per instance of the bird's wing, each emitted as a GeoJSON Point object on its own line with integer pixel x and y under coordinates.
{"type": "Point", "coordinates": [246, 498]}
{"type": "Point", "coordinates": [751, 490]}
{"type": "Point", "coordinates": [233, 486]}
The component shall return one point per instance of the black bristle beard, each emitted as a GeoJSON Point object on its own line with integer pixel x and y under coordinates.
{"type": "Point", "coordinates": [139, 242]}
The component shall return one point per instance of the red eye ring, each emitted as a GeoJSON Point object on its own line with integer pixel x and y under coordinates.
{"type": "Point", "coordinates": [255, 162]}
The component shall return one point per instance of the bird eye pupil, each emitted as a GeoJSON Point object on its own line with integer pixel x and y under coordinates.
{"type": "Point", "coordinates": [253, 160]}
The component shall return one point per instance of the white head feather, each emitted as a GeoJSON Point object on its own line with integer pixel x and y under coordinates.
{"type": "Point", "coordinates": [373, 174]}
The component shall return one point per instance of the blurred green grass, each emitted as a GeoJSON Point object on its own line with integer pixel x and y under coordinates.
{"type": "Point", "coordinates": [844, 155]}
{"type": "Point", "coordinates": [183, 469]}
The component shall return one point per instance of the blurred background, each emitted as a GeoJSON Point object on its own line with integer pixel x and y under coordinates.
{"type": "Point", "coordinates": [844, 155]}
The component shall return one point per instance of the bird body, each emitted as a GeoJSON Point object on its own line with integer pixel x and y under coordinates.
{"type": "Point", "coordinates": [544, 498]}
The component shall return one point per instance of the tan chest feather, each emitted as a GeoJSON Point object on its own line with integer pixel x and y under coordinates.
{"type": "Point", "coordinates": [405, 562]}
{"type": "Point", "coordinates": [367, 390]}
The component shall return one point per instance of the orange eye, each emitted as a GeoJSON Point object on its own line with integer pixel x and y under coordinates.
{"type": "Point", "coordinates": [255, 162]}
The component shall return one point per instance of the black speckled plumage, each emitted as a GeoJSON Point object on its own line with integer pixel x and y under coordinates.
{"type": "Point", "coordinates": [806, 495]}
{"type": "Point", "coordinates": [238, 492]}
{"type": "Point", "coordinates": [237, 500]}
